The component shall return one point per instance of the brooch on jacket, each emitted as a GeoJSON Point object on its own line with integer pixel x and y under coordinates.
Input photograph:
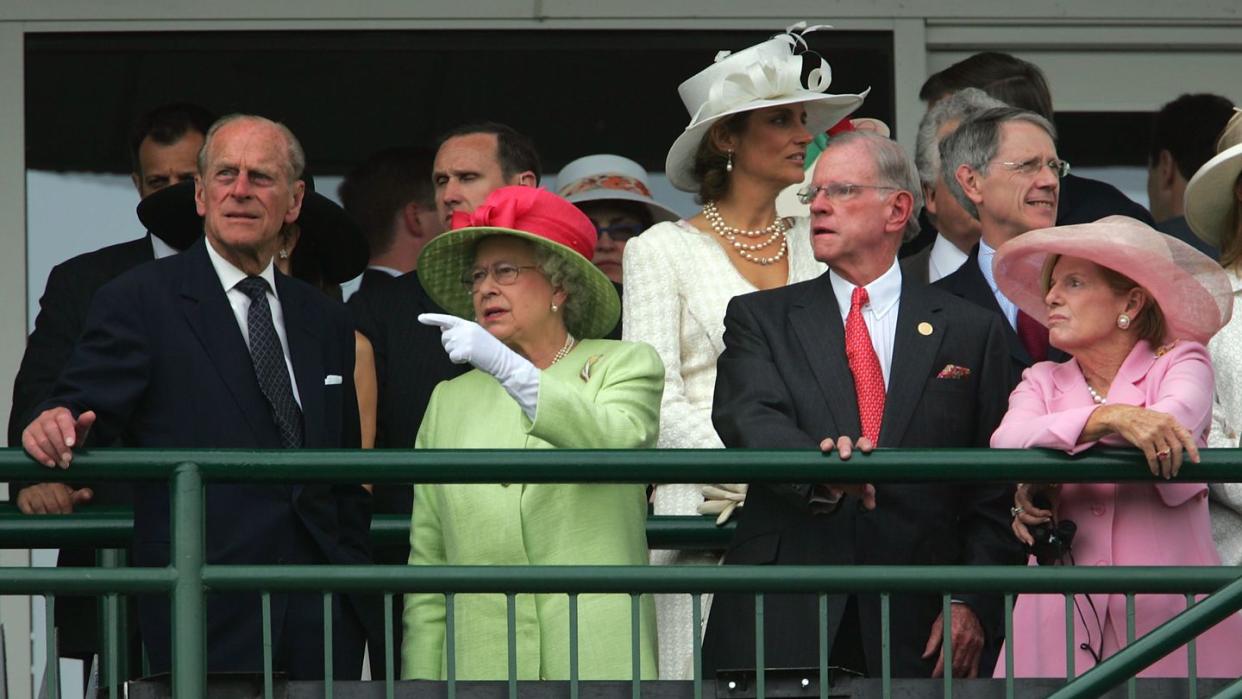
{"type": "Point", "coordinates": [953, 371]}
{"type": "Point", "coordinates": [585, 374]}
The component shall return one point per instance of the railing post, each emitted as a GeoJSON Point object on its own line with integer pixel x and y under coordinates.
{"type": "Point", "coordinates": [189, 639]}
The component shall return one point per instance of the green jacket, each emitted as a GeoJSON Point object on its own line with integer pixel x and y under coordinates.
{"type": "Point", "coordinates": [603, 395]}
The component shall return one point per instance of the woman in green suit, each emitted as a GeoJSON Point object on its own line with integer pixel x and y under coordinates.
{"type": "Point", "coordinates": [541, 381]}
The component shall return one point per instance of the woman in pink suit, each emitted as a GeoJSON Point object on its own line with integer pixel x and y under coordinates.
{"type": "Point", "coordinates": [1137, 377]}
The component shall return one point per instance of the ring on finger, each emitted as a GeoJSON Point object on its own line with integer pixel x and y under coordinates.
{"type": "Point", "coordinates": [1016, 510]}
{"type": "Point", "coordinates": [1162, 454]}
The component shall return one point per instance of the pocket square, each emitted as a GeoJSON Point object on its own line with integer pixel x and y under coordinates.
{"type": "Point", "coordinates": [953, 371]}
{"type": "Point", "coordinates": [332, 380]}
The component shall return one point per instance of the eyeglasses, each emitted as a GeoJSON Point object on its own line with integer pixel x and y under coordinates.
{"type": "Point", "coordinates": [1059, 167]}
{"type": "Point", "coordinates": [620, 232]}
{"type": "Point", "coordinates": [504, 273]}
{"type": "Point", "coordinates": [837, 191]}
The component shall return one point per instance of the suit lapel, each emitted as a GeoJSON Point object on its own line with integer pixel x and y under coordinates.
{"type": "Point", "coordinates": [974, 287]}
{"type": "Point", "coordinates": [816, 319]}
{"type": "Point", "coordinates": [207, 310]}
{"type": "Point", "coordinates": [914, 354]}
{"type": "Point", "coordinates": [306, 353]}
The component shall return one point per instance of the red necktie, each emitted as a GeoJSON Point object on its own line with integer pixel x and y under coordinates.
{"type": "Point", "coordinates": [1033, 336]}
{"type": "Point", "coordinates": [865, 365]}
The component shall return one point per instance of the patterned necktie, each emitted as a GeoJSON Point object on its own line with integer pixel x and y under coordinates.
{"type": "Point", "coordinates": [269, 362]}
{"type": "Point", "coordinates": [1033, 336]}
{"type": "Point", "coordinates": [865, 365]}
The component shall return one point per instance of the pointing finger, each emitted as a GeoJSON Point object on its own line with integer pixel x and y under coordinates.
{"type": "Point", "coordinates": [443, 321]}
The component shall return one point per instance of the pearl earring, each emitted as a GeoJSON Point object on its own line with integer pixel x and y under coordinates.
{"type": "Point", "coordinates": [284, 254]}
{"type": "Point", "coordinates": [555, 308]}
{"type": "Point", "coordinates": [729, 164]}
{"type": "Point", "coordinates": [1123, 321]}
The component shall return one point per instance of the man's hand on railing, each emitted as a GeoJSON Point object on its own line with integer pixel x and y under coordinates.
{"type": "Point", "coordinates": [50, 438]}
{"type": "Point", "coordinates": [722, 499]}
{"type": "Point", "coordinates": [52, 499]}
{"type": "Point", "coordinates": [845, 446]}
{"type": "Point", "coordinates": [967, 637]}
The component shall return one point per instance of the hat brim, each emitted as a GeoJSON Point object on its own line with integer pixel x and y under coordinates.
{"type": "Point", "coordinates": [659, 212]}
{"type": "Point", "coordinates": [342, 251]}
{"type": "Point", "coordinates": [1210, 198]}
{"type": "Point", "coordinates": [446, 258]}
{"type": "Point", "coordinates": [822, 112]}
{"type": "Point", "coordinates": [1192, 291]}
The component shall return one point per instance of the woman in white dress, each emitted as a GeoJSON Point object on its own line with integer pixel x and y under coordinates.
{"type": "Point", "coordinates": [1214, 213]}
{"type": "Point", "coordinates": [751, 120]}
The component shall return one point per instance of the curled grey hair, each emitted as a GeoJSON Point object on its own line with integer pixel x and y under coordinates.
{"type": "Point", "coordinates": [295, 156]}
{"type": "Point", "coordinates": [892, 166]}
{"type": "Point", "coordinates": [959, 106]}
{"type": "Point", "coordinates": [974, 143]}
{"type": "Point", "coordinates": [559, 272]}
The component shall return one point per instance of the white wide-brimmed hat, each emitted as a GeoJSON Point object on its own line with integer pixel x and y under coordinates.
{"type": "Point", "coordinates": [1210, 198]}
{"type": "Point", "coordinates": [606, 177]}
{"type": "Point", "coordinates": [765, 75]}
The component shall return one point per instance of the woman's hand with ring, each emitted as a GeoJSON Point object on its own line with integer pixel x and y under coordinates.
{"type": "Point", "coordinates": [1157, 434]}
{"type": "Point", "coordinates": [1025, 513]}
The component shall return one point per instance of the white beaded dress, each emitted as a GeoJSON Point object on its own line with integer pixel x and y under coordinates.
{"type": "Point", "coordinates": [678, 282]}
{"type": "Point", "coordinates": [1225, 499]}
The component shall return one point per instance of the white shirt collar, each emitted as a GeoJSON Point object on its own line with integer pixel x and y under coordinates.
{"type": "Point", "coordinates": [230, 275]}
{"type": "Point", "coordinates": [882, 293]}
{"type": "Point", "coordinates": [944, 259]}
{"type": "Point", "coordinates": [386, 270]}
{"type": "Point", "coordinates": [160, 248]}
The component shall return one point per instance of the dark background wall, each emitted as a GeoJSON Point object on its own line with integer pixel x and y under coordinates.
{"type": "Point", "coordinates": [348, 93]}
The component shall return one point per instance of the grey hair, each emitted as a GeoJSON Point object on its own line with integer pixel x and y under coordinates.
{"type": "Point", "coordinates": [560, 273]}
{"type": "Point", "coordinates": [295, 157]}
{"type": "Point", "coordinates": [894, 168]}
{"type": "Point", "coordinates": [974, 143]}
{"type": "Point", "coordinates": [959, 107]}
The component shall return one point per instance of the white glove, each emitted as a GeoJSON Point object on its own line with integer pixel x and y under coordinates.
{"type": "Point", "coordinates": [722, 499]}
{"type": "Point", "coordinates": [467, 341]}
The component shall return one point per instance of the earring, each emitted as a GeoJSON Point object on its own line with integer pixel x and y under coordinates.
{"type": "Point", "coordinates": [729, 163]}
{"type": "Point", "coordinates": [555, 308]}
{"type": "Point", "coordinates": [284, 254]}
{"type": "Point", "coordinates": [1123, 321]}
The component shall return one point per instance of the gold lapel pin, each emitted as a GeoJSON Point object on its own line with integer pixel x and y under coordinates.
{"type": "Point", "coordinates": [925, 328]}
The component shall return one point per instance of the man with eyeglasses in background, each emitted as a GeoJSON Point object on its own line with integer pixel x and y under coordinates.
{"type": "Point", "coordinates": [1002, 167]}
{"type": "Point", "coordinates": [859, 357]}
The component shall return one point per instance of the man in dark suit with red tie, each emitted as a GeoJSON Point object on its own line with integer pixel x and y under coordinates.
{"type": "Point", "coordinates": [856, 358]}
{"type": "Point", "coordinates": [1002, 166]}
{"type": "Point", "coordinates": [214, 348]}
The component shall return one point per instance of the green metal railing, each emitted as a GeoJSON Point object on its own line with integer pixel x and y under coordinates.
{"type": "Point", "coordinates": [188, 576]}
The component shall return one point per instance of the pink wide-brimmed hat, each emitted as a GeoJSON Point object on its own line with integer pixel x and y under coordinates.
{"type": "Point", "coordinates": [1189, 287]}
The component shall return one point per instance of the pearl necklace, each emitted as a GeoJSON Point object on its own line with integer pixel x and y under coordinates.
{"type": "Point", "coordinates": [1099, 400]}
{"type": "Point", "coordinates": [773, 231]}
{"type": "Point", "coordinates": [565, 349]}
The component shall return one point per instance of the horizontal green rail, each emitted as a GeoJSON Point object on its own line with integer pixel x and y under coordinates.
{"type": "Point", "coordinates": [625, 466]}
{"type": "Point", "coordinates": [113, 527]}
{"type": "Point", "coordinates": [85, 581]}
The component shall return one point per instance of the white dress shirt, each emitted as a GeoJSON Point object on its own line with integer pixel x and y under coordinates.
{"type": "Point", "coordinates": [386, 270]}
{"type": "Point", "coordinates": [162, 249]}
{"type": "Point", "coordinates": [880, 313]}
{"type": "Point", "coordinates": [985, 265]}
{"type": "Point", "coordinates": [944, 259]}
{"type": "Point", "coordinates": [229, 277]}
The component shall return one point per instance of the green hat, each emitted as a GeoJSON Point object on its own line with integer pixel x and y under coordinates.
{"type": "Point", "coordinates": [551, 224]}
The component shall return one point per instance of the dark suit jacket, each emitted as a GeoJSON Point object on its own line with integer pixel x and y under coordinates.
{"type": "Point", "coordinates": [915, 266]}
{"type": "Point", "coordinates": [783, 381]}
{"type": "Point", "coordinates": [1178, 228]}
{"type": "Point", "coordinates": [1083, 200]}
{"type": "Point", "coordinates": [968, 283]}
{"type": "Point", "coordinates": [62, 311]}
{"type": "Point", "coordinates": [163, 364]}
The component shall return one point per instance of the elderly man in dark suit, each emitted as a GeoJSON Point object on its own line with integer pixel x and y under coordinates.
{"type": "Point", "coordinates": [214, 348]}
{"type": "Point", "coordinates": [1002, 166]}
{"type": "Point", "coordinates": [856, 358]}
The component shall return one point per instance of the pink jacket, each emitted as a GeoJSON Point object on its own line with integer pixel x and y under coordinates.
{"type": "Point", "coordinates": [1130, 524]}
